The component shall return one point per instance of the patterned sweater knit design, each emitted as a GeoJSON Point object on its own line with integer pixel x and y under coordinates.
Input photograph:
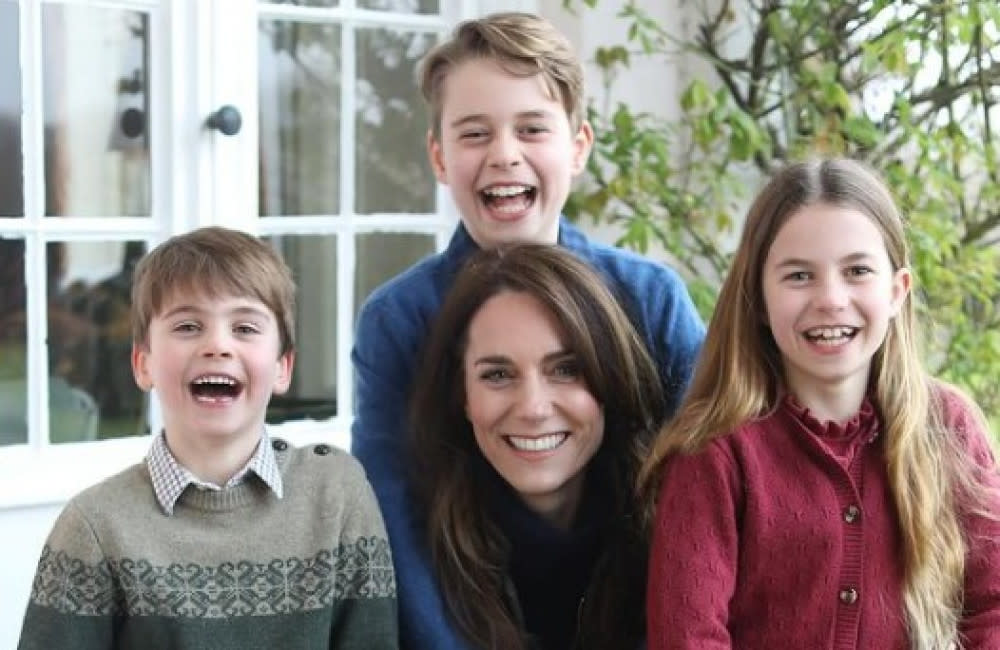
{"type": "Point", "coordinates": [783, 534]}
{"type": "Point", "coordinates": [237, 568]}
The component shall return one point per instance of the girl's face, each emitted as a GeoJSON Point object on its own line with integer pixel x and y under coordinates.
{"type": "Point", "coordinates": [830, 292]}
{"type": "Point", "coordinates": [532, 414]}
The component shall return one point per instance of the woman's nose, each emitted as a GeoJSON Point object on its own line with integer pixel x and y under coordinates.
{"type": "Point", "coordinates": [534, 400]}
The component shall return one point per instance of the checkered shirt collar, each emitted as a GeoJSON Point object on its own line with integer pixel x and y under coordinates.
{"type": "Point", "coordinates": [170, 478]}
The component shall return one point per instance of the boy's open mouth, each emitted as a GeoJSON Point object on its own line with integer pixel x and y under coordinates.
{"type": "Point", "coordinates": [215, 388]}
{"type": "Point", "coordinates": [837, 335]}
{"type": "Point", "coordinates": [509, 198]}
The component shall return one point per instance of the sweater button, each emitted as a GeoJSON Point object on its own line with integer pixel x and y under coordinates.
{"type": "Point", "coordinates": [279, 445]}
{"type": "Point", "coordinates": [321, 450]}
{"type": "Point", "coordinates": [849, 596]}
{"type": "Point", "coordinates": [851, 514]}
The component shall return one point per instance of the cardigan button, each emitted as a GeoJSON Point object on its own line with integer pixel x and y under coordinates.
{"type": "Point", "coordinates": [849, 596]}
{"type": "Point", "coordinates": [279, 445]}
{"type": "Point", "coordinates": [321, 450]}
{"type": "Point", "coordinates": [851, 514]}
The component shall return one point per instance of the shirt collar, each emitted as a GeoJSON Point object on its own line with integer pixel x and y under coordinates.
{"type": "Point", "coordinates": [462, 245]}
{"type": "Point", "coordinates": [170, 478]}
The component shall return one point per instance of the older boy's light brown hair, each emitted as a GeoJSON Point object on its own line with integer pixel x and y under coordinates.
{"type": "Point", "coordinates": [522, 44]}
{"type": "Point", "coordinates": [214, 261]}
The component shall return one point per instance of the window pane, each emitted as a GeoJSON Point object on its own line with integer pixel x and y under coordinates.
{"type": "Point", "coordinates": [13, 343]}
{"type": "Point", "coordinates": [313, 393]}
{"type": "Point", "coordinates": [393, 174]}
{"type": "Point", "coordinates": [96, 111]}
{"type": "Point", "coordinates": [403, 6]}
{"type": "Point", "coordinates": [302, 3]}
{"type": "Point", "coordinates": [91, 391]}
{"type": "Point", "coordinates": [381, 256]}
{"type": "Point", "coordinates": [12, 160]}
{"type": "Point", "coordinates": [299, 81]}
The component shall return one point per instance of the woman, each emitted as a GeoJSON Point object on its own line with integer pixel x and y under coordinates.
{"type": "Point", "coordinates": [533, 415]}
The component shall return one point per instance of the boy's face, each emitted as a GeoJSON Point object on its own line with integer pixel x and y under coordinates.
{"type": "Point", "coordinates": [214, 362]}
{"type": "Point", "coordinates": [507, 152]}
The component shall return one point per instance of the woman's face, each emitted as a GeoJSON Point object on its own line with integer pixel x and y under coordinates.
{"type": "Point", "coordinates": [533, 416]}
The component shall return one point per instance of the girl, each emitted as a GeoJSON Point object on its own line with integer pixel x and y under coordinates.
{"type": "Point", "coordinates": [819, 489]}
{"type": "Point", "coordinates": [534, 411]}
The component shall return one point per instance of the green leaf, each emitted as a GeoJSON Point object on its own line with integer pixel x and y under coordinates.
{"type": "Point", "coordinates": [697, 97]}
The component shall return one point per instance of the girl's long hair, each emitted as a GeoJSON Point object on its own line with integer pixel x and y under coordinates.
{"type": "Point", "coordinates": [467, 547]}
{"type": "Point", "coordinates": [739, 378]}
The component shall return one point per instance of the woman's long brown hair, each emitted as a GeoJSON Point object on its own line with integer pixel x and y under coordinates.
{"type": "Point", "coordinates": [467, 547]}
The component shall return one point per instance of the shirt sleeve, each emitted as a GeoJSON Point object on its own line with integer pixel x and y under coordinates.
{"type": "Point", "coordinates": [384, 359]}
{"type": "Point", "coordinates": [693, 558]}
{"type": "Point", "coordinates": [980, 625]}
{"type": "Point", "coordinates": [672, 325]}
{"type": "Point", "coordinates": [72, 602]}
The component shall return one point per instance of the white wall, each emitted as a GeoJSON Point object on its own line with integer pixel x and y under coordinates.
{"type": "Point", "coordinates": [650, 86]}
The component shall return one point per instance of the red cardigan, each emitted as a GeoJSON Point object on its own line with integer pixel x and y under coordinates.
{"type": "Point", "coordinates": [784, 535]}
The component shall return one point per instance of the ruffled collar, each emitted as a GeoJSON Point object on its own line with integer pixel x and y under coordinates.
{"type": "Point", "coordinates": [862, 427]}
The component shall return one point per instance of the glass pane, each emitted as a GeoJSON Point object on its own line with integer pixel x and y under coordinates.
{"type": "Point", "coordinates": [302, 3]}
{"type": "Point", "coordinates": [299, 118]}
{"type": "Point", "coordinates": [12, 160]}
{"type": "Point", "coordinates": [393, 174]}
{"type": "Point", "coordinates": [313, 393]}
{"type": "Point", "coordinates": [91, 391]}
{"type": "Point", "coordinates": [403, 6]}
{"type": "Point", "coordinates": [13, 343]}
{"type": "Point", "coordinates": [96, 100]}
{"type": "Point", "coordinates": [382, 255]}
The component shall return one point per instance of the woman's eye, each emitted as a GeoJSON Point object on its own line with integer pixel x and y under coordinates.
{"type": "Point", "coordinates": [859, 271]}
{"type": "Point", "coordinates": [186, 327]}
{"type": "Point", "coordinates": [245, 329]}
{"type": "Point", "coordinates": [569, 369]}
{"type": "Point", "coordinates": [495, 374]}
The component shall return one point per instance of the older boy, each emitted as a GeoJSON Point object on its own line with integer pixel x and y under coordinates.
{"type": "Point", "coordinates": [507, 137]}
{"type": "Point", "coordinates": [223, 537]}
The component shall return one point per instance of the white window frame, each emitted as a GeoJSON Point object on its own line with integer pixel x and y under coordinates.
{"type": "Point", "coordinates": [193, 72]}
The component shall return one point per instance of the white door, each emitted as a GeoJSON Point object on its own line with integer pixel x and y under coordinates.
{"type": "Point", "coordinates": [123, 122]}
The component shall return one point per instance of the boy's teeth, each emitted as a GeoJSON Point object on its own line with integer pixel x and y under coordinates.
{"type": "Point", "coordinates": [505, 190]}
{"type": "Point", "coordinates": [215, 379]}
{"type": "Point", "coordinates": [542, 443]}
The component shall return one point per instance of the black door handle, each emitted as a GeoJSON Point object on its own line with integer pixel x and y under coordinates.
{"type": "Point", "coordinates": [227, 120]}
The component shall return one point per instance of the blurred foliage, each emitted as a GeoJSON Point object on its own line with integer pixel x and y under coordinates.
{"type": "Point", "coordinates": [909, 87]}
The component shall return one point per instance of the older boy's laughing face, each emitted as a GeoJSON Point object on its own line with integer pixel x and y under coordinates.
{"type": "Point", "coordinates": [214, 362]}
{"type": "Point", "coordinates": [507, 152]}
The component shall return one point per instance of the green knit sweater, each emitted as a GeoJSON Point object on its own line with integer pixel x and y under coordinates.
{"type": "Point", "coordinates": [238, 568]}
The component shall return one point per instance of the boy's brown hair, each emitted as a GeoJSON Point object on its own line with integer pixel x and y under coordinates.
{"type": "Point", "coordinates": [522, 44]}
{"type": "Point", "coordinates": [215, 261]}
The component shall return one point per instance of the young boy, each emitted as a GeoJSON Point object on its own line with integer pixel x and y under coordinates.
{"type": "Point", "coordinates": [507, 137]}
{"type": "Point", "coordinates": [223, 537]}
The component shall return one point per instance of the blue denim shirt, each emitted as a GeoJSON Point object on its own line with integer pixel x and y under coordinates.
{"type": "Point", "coordinates": [391, 329]}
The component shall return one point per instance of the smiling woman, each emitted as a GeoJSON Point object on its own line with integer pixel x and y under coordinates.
{"type": "Point", "coordinates": [534, 418]}
{"type": "Point", "coordinates": [526, 466]}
